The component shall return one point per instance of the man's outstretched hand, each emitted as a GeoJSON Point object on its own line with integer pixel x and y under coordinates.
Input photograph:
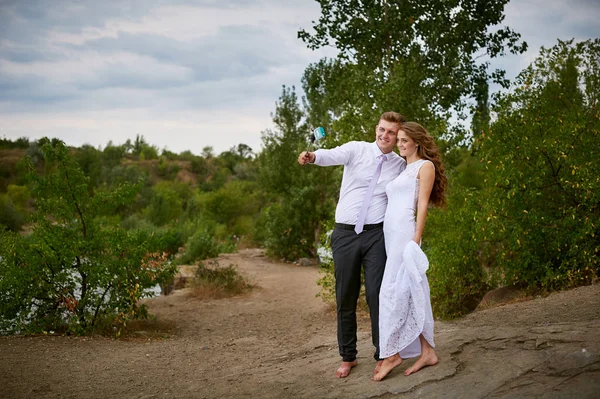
{"type": "Point", "coordinates": [306, 157]}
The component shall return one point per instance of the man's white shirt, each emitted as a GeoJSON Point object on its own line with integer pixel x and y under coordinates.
{"type": "Point", "coordinates": [360, 160]}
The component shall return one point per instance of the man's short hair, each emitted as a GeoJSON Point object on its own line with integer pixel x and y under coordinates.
{"type": "Point", "coordinates": [393, 117]}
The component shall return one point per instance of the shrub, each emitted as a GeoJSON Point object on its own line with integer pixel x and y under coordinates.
{"type": "Point", "coordinates": [165, 206]}
{"type": "Point", "coordinates": [213, 281]}
{"type": "Point", "coordinates": [10, 217]}
{"type": "Point", "coordinates": [168, 238]}
{"type": "Point", "coordinates": [541, 155]}
{"type": "Point", "coordinates": [457, 267]}
{"type": "Point", "coordinates": [203, 245]}
{"type": "Point", "coordinates": [77, 271]}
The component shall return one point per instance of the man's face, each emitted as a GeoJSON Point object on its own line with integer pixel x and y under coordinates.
{"type": "Point", "coordinates": [386, 134]}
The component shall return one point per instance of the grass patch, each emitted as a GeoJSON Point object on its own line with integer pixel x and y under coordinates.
{"type": "Point", "coordinates": [213, 281]}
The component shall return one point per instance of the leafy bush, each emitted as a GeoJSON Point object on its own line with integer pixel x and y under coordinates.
{"type": "Point", "coordinates": [298, 198]}
{"type": "Point", "coordinates": [10, 217]}
{"type": "Point", "coordinates": [167, 170]}
{"type": "Point", "coordinates": [457, 268]}
{"type": "Point", "coordinates": [285, 236]}
{"type": "Point", "coordinates": [76, 272]}
{"type": "Point", "coordinates": [165, 206]}
{"type": "Point", "coordinates": [541, 156]}
{"type": "Point", "coordinates": [202, 245]}
{"type": "Point", "coordinates": [19, 195]}
{"type": "Point", "coordinates": [21, 142]}
{"type": "Point", "coordinates": [168, 238]}
{"type": "Point", "coordinates": [213, 281]}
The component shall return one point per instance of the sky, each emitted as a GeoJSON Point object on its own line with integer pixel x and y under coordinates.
{"type": "Point", "coordinates": [187, 74]}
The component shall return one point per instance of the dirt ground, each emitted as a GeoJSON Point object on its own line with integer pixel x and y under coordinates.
{"type": "Point", "coordinates": [278, 341]}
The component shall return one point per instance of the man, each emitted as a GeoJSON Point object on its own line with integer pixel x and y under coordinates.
{"type": "Point", "coordinates": [358, 235]}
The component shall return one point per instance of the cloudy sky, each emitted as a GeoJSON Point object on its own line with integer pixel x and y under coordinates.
{"type": "Point", "coordinates": [185, 74]}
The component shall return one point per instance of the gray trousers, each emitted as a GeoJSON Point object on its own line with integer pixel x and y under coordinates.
{"type": "Point", "coordinates": [350, 251]}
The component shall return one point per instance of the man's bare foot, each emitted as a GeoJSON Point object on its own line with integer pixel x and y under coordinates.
{"type": "Point", "coordinates": [387, 366]}
{"type": "Point", "coordinates": [428, 358]}
{"type": "Point", "coordinates": [377, 367]}
{"type": "Point", "coordinates": [344, 370]}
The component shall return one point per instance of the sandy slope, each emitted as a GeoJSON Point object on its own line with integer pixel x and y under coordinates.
{"type": "Point", "coordinates": [279, 341]}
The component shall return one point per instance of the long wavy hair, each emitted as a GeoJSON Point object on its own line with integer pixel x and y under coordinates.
{"type": "Point", "coordinates": [427, 149]}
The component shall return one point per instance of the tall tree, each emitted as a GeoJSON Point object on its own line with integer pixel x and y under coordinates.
{"type": "Point", "coordinates": [299, 198]}
{"type": "Point", "coordinates": [541, 157]}
{"type": "Point", "coordinates": [422, 58]}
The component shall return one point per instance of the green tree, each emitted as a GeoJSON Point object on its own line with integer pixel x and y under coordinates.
{"type": "Point", "coordinates": [458, 267]}
{"type": "Point", "coordinates": [541, 158]}
{"type": "Point", "coordinates": [149, 152]}
{"type": "Point", "coordinates": [19, 195]}
{"type": "Point", "coordinates": [299, 199]}
{"type": "Point", "coordinates": [11, 217]}
{"type": "Point", "coordinates": [76, 271]}
{"type": "Point", "coordinates": [232, 201]}
{"type": "Point", "coordinates": [139, 145]}
{"type": "Point", "coordinates": [421, 58]}
{"type": "Point", "coordinates": [112, 155]}
{"type": "Point", "coordinates": [90, 162]}
{"type": "Point", "coordinates": [21, 142]}
{"type": "Point", "coordinates": [166, 204]}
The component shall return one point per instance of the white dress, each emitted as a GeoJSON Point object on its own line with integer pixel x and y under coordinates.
{"type": "Point", "coordinates": [404, 304]}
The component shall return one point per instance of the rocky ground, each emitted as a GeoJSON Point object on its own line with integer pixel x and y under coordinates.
{"type": "Point", "coordinates": [278, 341]}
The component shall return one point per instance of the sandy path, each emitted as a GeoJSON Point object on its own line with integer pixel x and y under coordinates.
{"type": "Point", "coordinates": [279, 341]}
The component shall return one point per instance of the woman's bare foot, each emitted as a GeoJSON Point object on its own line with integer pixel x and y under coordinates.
{"type": "Point", "coordinates": [428, 358]}
{"type": "Point", "coordinates": [344, 370]}
{"type": "Point", "coordinates": [387, 366]}
{"type": "Point", "coordinates": [377, 367]}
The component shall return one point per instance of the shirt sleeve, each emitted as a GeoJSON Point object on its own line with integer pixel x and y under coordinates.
{"type": "Point", "coordinates": [336, 156]}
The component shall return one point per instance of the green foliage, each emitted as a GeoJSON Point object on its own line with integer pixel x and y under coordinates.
{"type": "Point", "coordinates": [166, 169]}
{"type": "Point", "coordinates": [457, 267]}
{"type": "Point", "coordinates": [11, 172]}
{"type": "Point", "coordinates": [203, 245]}
{"type": "Point", "coordinates": [416, 57]}
{"type": "Point", "coordinates": [112, 155]}
{"type": "Point", "coordinates": [299, 198]}
{"type": "Point", "coordinates": [282, 237]}
{"type": "Point", "coordinates": [165, 239]}
{"type": "Point", "coordinates": [90, 162]}
{"type": "Point", "coordinates": [14, 207]}
{"type": "Point", "coordinates": [148, 152]}
{"type": "Point", "coordinates": [199, 246]}
{"type": "Point", "coordinates": [469, 172]}
{"type": "Point", "coordinates": [19, 195]}
{"type": "Point", "coordinates": [77, 271]}
{"type": "Point", "coordinates": [21, 142]}
{"type": "Point", "coordinates": [166, 205]}
{"type": "Point", "coordinates": [541, 157]}
{"type": "Point", "coordinates": [234, 200]}
{"type": "Point", "coordinates": [10, 216]}
{"type": "Point", "coordinates": [142, 149]}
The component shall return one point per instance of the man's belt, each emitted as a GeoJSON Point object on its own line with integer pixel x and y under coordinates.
{"type": "Point", "coordinates": [344, 226]}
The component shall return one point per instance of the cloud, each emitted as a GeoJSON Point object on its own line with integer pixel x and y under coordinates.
{"type": "Point", "coordinates": [541, 23]}
{"type": "Point", "coordinates": [185, 73]}
{"type": "Point", "coordinates": [162, 51]}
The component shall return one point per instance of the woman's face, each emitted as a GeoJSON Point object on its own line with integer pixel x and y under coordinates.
{"type": "Point", "coordinates": [406, 145]}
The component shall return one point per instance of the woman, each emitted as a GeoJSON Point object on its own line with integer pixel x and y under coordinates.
{"type": "Point", "coordinates": [405, 316]}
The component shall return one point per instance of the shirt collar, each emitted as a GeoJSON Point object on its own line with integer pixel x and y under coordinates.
{"type": "Point", "coordinates": [377, 152]}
